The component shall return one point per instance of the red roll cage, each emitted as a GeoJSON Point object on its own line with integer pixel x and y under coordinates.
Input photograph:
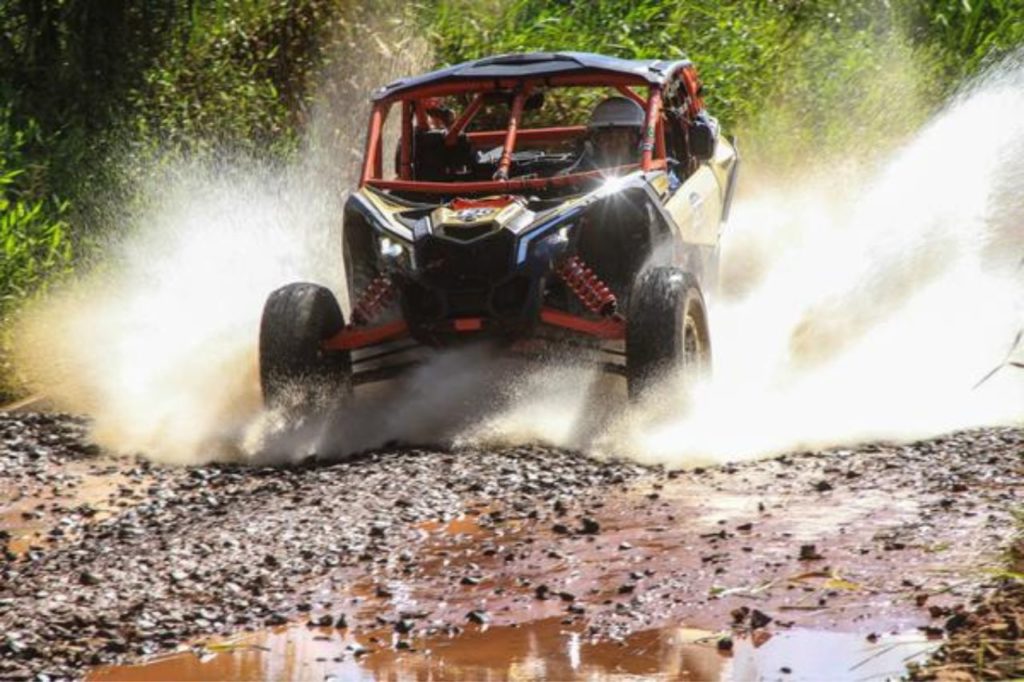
{"type": "Point", "coordinates": [415, 111]}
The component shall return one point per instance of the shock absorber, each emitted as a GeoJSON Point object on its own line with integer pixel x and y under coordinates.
{"type": "Point", "coordinates": [375, 298]}
{"type": "Point", "coordinates": [588, 287]}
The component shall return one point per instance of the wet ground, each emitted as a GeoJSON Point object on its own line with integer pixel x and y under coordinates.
{"type": "Point", "coordinates": [543, 650]}
{"type": "Point", "coordinates": [523, 563]}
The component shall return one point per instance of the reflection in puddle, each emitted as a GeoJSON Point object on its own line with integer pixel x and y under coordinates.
{"type": "Point", "coordinates": [815, 655]}
{"type": "Point", "coordinates": [805, 518]}
{"type": "Point", "coordinates": [542, 649]}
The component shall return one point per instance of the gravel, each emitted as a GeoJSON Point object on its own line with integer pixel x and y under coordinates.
{"type": "Point", "coordinates": [172, 553]}
{"type": "Point", "coordinates": [105, 561]}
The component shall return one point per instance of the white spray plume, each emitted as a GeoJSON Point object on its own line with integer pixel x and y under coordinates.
{"type": "Point", "coordinates": [865, 304]}
{"type": "Point", "coordinates": [159, 346]}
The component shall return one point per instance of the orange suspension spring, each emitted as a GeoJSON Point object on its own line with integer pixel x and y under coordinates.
{"type": "Point", "coordinates": [588, 287]}
{"type": "Point", "coordinates": [375, 298]}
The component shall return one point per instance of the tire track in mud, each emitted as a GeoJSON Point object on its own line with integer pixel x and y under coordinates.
{"type": "Point", "coordinates": [414, 546]}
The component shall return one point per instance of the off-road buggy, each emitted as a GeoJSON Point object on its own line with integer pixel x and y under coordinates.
{"type": "Point", "coordinates": [469, 224]}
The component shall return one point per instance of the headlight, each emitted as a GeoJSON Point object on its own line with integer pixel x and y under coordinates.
{"type": "Point", "coordinates": [559, 226]}
{"type": "Point", "coordinates": [394, 251]}
{"type": "Point", "coordinates": [390, 249]}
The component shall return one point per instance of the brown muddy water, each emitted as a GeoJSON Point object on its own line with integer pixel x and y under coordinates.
{"type": "Point", "coordinates": [32, 519]}
{"type": "Point", "coordinates": [534, 641]}
{"type": "Point", "coordinates": [541, 650]}
{"type": "Point", "coordinates": [530, 638]}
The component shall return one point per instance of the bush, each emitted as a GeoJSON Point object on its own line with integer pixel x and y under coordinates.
{"type": "Point", "coordinates": [35, 244]}
{"type": "Point", "coordinates": [964, 35]}
{"type": "Point", "coordinates": [793, 78]}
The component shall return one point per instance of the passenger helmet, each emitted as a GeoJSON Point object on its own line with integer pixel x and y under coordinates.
{"type": "Point", "coordinates": [616, 112]}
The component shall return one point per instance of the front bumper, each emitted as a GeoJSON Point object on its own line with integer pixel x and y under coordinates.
{"type": "Point", "coordinates": [474, 286]}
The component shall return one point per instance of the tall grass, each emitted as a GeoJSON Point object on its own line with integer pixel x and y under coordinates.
{"type": "Point", "coordinates": [765, 66]}
{"type": "Point", "coordinates": [794, 78]}
{"type": "Point", "coordinates": [35, 244]}
{"type": "Point", "coordinates": [35, 240]}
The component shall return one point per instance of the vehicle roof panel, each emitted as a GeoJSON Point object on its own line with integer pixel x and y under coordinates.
{"type": "Point", "coordinates": [535, 65]}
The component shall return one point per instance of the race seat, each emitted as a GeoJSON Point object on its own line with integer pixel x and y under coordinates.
{"type": "Point", "coordinates": [434, 161]}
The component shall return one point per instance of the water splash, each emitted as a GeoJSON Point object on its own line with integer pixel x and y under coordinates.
{"type": "Point", "coordinates": [868, 305]}
{"type": "Point", "coordinates": [158, 346]}
{"type": "Point", "coordinates": [860, 303]}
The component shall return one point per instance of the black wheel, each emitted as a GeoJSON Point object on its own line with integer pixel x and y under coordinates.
{"type": "Point", "coordinates": [666, 330]}
{"type": "Point", "coordinates": [295, 370]}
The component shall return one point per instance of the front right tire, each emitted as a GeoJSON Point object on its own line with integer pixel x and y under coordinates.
{"type": "Point", "coordinates": [666, 331]}
{"type": "Point", "coordinates": [295, 369]}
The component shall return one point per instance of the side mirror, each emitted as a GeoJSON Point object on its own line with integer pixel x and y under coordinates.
{"type": "Point", "coordinates": [703, 138]}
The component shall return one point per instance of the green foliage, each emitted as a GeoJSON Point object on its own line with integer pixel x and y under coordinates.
{"type": "Point", "coordinates": [792, 77]}
{"type": "Point", "coordinates": [235, 77]}
{"type": "Point", "coordinates": [34, 245]}
{"type": "Point", "coordinates": [136, 80]}
{"type": "Point", "coordinates": [34, 241]}
{"type": "Point", "coordinates": [964, 35]}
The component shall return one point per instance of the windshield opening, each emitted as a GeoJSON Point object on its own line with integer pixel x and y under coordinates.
{"type": "Point", "coordinates": [525, 137]}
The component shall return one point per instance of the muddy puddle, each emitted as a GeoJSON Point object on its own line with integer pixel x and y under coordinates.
{"type": "Point", "coordinates": [640, 575]}
{"type": "Point", "coordinates": [544, 649]}
{"type": "Point", "coordinates": [506, 565]}
{"type": "Point", "coordinates": [55, 511]}
{"type": "Point", "coordinates": [685, 552]}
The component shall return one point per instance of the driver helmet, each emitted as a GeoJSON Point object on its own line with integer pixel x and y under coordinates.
{"type": "Point", "coordinates": [616, 112]}
{"type": "Point", "coordinates": [614, 131]}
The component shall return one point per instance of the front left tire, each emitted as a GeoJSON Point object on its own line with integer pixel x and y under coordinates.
{"type": "Point", "coordinates": [666, 331]}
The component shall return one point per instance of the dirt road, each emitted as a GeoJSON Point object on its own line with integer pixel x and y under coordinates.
{"type": "Point", "coordinates": [528, 562]}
